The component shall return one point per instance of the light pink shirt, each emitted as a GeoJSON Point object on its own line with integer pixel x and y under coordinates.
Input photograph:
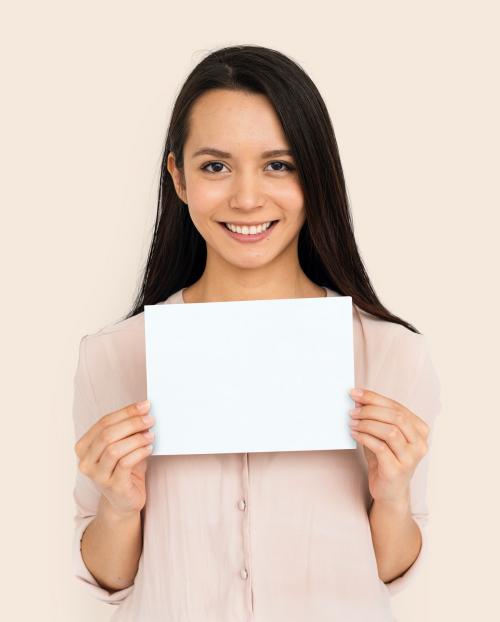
{"type": "Point", "coordinates": [262, 537]}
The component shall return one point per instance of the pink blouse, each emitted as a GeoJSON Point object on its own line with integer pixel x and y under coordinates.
{"type": "Point", "coordinates": [261, 537]}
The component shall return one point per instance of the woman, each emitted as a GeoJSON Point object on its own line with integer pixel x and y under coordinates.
{"type": "Point", "coordinates": [308, 535]}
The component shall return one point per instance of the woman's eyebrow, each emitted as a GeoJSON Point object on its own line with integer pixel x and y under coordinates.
{"type": "Point", "coordinates": [224, 154]}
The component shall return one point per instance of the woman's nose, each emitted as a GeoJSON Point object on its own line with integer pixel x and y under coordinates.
{"type": "Point", "coordinates": [246, 191]}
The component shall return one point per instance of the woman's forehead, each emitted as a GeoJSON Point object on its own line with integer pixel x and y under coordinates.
{"type": "Point", "coordinates": [230, 122]}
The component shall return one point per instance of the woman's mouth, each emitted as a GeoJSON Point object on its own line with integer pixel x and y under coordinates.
{"type": "Point", "coordinates": [248, 236]}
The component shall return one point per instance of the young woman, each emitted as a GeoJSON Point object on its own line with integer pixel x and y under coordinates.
{"type": "Point", "coordinates": [253, 205]}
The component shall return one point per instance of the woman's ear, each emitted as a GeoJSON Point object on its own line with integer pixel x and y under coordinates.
{"type": "Point", "coordinates": [177, 178]}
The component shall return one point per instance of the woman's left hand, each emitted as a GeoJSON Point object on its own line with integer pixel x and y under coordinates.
{"type": "Point", "coordinates": [394, 441]}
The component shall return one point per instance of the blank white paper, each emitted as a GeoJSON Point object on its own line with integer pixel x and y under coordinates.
{"type": "Point", "coordinates": [250, 376]}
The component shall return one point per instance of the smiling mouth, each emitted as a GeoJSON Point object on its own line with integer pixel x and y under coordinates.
{"type": "Point", "coordinates": [250, 237]}
{"type": "Point", "coordinates": [248, 226]}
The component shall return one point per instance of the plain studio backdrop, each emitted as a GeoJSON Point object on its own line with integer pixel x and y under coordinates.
{"type": "Point", "coordinates": [87, 90]}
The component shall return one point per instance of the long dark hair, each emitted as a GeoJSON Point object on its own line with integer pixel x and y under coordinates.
{"type": "Point", "coordinates": [327, 248]}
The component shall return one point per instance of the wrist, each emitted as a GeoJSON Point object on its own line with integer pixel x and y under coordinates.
{"type": "Point", "coordinates": [399, 505]}
{"type": "Point", "coordinates": [111, 515]}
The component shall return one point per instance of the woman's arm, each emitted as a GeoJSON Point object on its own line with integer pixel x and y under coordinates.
{"type": "Point", "coordinates": [399, 513]}
{"type": "Point", "coordinates": [111, 547]}
{"type": "Point", "coordinates": [396, 537]}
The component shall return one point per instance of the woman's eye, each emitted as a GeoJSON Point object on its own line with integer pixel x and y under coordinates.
{"type": "Point", "coordinates": [205, 168]}
{"type": "Point", "coordinates": [288, 166]}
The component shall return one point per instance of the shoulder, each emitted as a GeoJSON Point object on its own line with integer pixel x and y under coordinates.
{"type": "Point", "coordinates": [114, 360]}
{"type": "Point", "coordinates": [402, 363]}
{"type": "Point", "coordinates": [380, 338]}
{"type": "Point", "coordinates": [118, 334]}
{"type": "Point", "coordinates": [121, 328]}
{"type": "Point", "coordinates": [374, 336]}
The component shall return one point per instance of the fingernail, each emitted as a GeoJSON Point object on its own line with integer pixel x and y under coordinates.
{"type": "Point", "coordinates": [355, 411]}
{"type": "Point", "coordinates": [356, 392]}
{"type": "Point", "coordinates": [143, 406]}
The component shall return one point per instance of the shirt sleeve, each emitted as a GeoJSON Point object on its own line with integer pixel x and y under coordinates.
{"type": "Point", "coordinates": [418, 388]}
{"type": "Point", "coordinates": [86, 495]}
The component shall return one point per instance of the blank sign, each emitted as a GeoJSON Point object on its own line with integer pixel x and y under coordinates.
{"type": "Point", "coordinates": [250, 376]}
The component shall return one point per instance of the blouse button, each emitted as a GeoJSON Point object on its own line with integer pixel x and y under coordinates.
{"type": "Point", "coordinates": [243, 573]}
{"type": "Point", "coordinates": [242, 504]}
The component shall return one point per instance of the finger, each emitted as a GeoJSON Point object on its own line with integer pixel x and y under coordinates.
{"type": "Point", "coordinates": [377, 399]}
{"type": "Point", "coordinates": [386, 458]}
{"type": "Point", "coordinates": [123, 467]}
{"type": "Point", "coordinates": [115, 453]}
{"type": "Point", "coordinates": [93, 432]}
{"type": "Point", "coordinates": [388, 415]}
{"type": "Point", "coordinates": [388, 433]}
{"type": "Point", "coordinates": [116, 432]}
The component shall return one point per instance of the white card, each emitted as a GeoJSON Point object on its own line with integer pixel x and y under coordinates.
{"type": "Point", "coordinates": [250, 376]}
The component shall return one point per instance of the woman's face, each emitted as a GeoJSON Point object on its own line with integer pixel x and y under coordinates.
{"type": "Point", "coordinates": [243, 185]}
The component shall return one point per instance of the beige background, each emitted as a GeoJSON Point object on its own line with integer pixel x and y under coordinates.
{"type": "Point", "coordinates": [87, 89]}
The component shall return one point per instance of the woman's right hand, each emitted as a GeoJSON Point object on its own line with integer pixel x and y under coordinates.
{"type": "Point", "coordinates": [113, 453]}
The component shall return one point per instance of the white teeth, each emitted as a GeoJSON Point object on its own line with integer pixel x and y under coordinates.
{"type": "Point", "coordinates": [248, 230]}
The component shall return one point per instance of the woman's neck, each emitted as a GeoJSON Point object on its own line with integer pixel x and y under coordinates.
{"type": "Point", "coordinates": [203, 292]}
